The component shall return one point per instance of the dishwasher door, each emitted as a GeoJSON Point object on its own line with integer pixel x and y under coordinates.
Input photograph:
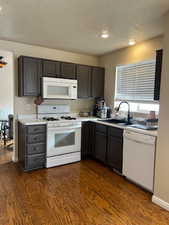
{"type": "Point", "coordinates": [138, 158]}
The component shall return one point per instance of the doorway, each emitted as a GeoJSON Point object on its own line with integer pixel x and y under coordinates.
{"type": "Point", "coordinates": [6, 106]}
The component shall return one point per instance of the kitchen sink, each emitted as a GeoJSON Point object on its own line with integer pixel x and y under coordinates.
{"type": "Point", "coordinates": [122, 122]}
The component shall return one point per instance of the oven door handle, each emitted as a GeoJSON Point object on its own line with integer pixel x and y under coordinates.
{"type": "Point", "coordinates": [63, 128]}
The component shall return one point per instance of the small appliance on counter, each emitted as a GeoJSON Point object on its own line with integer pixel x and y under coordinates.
{"type": "Point", "coordinates": [100, 108]}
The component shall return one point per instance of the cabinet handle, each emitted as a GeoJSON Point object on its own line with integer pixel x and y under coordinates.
{"type": "Point", "coordinates": [36, 129]}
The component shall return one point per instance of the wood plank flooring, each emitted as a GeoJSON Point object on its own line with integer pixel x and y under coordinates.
{"type": "Point", "coordinates": [5, 154]}
{"type": "Point", "coordinates": [85, 193]}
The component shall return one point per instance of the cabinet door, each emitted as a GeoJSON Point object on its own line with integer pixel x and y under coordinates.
{"type": "Point", "coordinates": [84, 81]}
{"type": "Point", "coordinates": [115, 153]}
{"type": "Point", "coordinates": [68, 70]}
{"type": "Point", "coordinates": [98, 82]}
{"type": "Point", "coordinates": [100, 147]}
{"type": "Point", "coordinates": [159, 59]}
{"type": "Point", "coordinates": [30, 72]}
{"type": "Point", "coordinates": [87, 140]}
{"type": "Point", "coordinates": [51, 68]}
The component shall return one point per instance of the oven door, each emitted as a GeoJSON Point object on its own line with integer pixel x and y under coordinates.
{"type": "Point", "coordinates": [63, 140]}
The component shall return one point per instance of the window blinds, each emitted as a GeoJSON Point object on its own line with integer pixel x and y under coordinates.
{"type": "Point", "coordinates": [135, 82]}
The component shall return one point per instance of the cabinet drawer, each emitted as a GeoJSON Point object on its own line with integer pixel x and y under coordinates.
{"type": "Point", "coordinates": [36, 129]}
{"type": "Point", "coordinates": [36, 148]}
{"type": "Point", "coordinates": [101, 128]}
{"type": "Point", "coordinates": [35, 161]}
{"type": "Point", "coordinates": [36, 138]}
{"type": "Point", "coordinates": [115, 132]}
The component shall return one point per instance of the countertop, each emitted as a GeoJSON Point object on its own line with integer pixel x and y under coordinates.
{"type": "Point", "coordinates": [34, 121]}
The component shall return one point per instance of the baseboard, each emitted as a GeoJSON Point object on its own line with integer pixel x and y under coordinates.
{"type": "Point", "coordinates": [160, 202]}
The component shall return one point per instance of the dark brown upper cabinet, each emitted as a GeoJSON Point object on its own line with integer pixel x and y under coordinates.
{"type": "Point", "coordinates": [84, 74]}
{"type": "Point", "coordinates": [51, 68]}
{"type": "Point", "coordinates": [98, 82]}
{"type": "Point", "coordinates": [29, 74]}
{"type": "Point", "coordinates": [68, 70]}
{"type": "Point", "coordinates": [159, 60]}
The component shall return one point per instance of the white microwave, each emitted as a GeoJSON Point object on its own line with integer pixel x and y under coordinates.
{"type": "Point", "coordinates": [56, 88]}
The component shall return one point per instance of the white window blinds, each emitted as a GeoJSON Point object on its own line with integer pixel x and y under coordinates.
{"type": "Point", "coordinates": [135, 81]}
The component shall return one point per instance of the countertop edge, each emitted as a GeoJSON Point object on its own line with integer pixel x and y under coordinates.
{"type": "Point", "coordinates": [94, 119]}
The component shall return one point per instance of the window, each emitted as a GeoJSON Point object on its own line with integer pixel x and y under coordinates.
{"type": "Point", "coordinates": [139, 107]}
{"type": "Point", "coordinates": [135, 82]}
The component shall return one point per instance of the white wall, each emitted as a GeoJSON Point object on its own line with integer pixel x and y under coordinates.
{"type": "Point", "coordinates": [6, 86]}
{"type": "Point", "coordinates": [161, 191]}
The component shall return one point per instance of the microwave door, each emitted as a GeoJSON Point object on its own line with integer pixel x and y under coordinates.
{"type": "Point", "coordinates": [57, 90]}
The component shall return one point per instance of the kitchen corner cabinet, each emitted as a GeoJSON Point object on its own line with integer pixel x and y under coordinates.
{"type": "Point", "coordinates": [159, 60]}
{"type": "Point", "coordinates": [103, 143]}
{"type": "Point", "coordinates": [87, 140]}
{"type": "Point", "coordinates": [31, 146]}
{"type": "Point", "coordinates": [84, 74]}
{"type": "Point", "coordinates": [115, 148]}
{"type": "Point", "coordinates": [98, 82]}
{"type": "Point", "coordinates": [51, 68]}
{"type": "Point", "coordinates": [29, 74]}
{"type": "Point", "coordinates": [68, 70]}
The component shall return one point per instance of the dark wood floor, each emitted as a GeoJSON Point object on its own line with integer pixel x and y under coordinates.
{"type": "Point", "coordinates": [84, 193]}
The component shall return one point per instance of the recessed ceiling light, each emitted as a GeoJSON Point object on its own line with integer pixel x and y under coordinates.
{"type": "Point", "coordinates": [132, 42]}
{"type": "Point", "coordinates": [105, 34]}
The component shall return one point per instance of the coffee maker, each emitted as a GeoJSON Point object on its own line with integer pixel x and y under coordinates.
{"type": "Point", "coordinates": [100, 109]}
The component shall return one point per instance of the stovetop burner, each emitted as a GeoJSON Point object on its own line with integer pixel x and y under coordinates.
{"type": "Point", "coordinates": [50, 119]}
{"type": "Point", "coordinates": [68, 118]}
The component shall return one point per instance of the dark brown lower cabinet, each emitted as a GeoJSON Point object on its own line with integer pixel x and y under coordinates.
{"type": "Point", "coordinates": [115, 153]}
{"type": "Point", "coordinates": [32, 146]}
{"type": "Point", "coordinates": [100, 147]}
{"type": "Point", "coordinates": [87, 140]}
{"type": "Point", "coordinates": [115, 148]}
{"type": "Point", "coordinates": [103, 143]}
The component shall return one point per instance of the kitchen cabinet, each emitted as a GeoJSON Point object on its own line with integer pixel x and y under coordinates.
{"type": "Point", "coordinates": [51, 68]}
{"type": "Point", "coordinates": [98, 82]}
{"type": "Point", "coordinates": [68, 70]}
{"type": "Point", "coordinates": [159, 59]}
{"type": "Point", "coordinates": [87, 140]}
{"type": "Point", "coordinates": [100, 149]}
{"type": "Point", "coordinates": [32, 146]}
{"type": "Point", "coordinates": [115, 148]}
{"type": "Point", "coordinates": [29, 74]}
{"type": "Point", "coordinates": [84, 81]}
{"type": "Point", "coordinates": [90, 79]}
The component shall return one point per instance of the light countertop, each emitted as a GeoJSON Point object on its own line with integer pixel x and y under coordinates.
{"type": "Point", "coordinates": [34, 121]}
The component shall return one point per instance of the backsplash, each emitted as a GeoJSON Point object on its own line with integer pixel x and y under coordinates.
{"type": "Point", "coordinates": [25, 105]}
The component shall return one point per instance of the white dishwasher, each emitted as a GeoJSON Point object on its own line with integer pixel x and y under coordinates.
{"type": "Point", "coordinates": [138, 158]}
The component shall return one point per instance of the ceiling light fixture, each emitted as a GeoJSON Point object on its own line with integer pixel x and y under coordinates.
{"type": "Point", "coordinates": [132, 42]}
{"type": "Point", "coordinates": [2, 63]}
{"type": "Point", "coordinates": [105, 34]}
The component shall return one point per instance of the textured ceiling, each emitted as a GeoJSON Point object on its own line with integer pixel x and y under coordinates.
{"type": "Point", "coordinates": [75, 25]}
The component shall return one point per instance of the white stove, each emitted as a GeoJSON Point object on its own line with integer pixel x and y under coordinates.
{"type": "Point", "coordinates": [63, 135]}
